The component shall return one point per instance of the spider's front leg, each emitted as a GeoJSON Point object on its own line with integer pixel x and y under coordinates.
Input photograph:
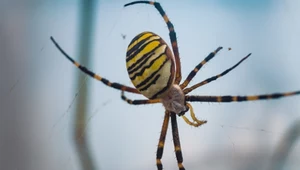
{"type": "Point", "coordinates": [198, 67]}
{"type": "Point", "coordinates": [213, 78]}
{"type": "Point", "coordinates": [92, 74]}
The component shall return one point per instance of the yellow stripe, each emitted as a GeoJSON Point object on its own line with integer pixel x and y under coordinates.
{"type": "Point", "coordinates": [147, 49]}
{"type": "Point", "coordinates": [160, 50]}
{"type": "Point", "coordinates": [146, 35]}
{"type": "Point", "coordinates": [76, 64]}
{"type": "Point", "coordinates": [161, 144]}
{"type": "Point", "coordinates": [203, 62]}
{"type": "Point", "coordinates": [166, 18]}
{"type": "Point", "coordinates": [180, 165]}
{"type": "Point", "coordinates": [234, 98]}
{"type": "Point", "coordinates": [161, 83]}
{"type": "Point", "coordinates": [252, 97]}
{"type": "Point", "coordinates": [289, 94]}
{"type": "Point", "coordinates": [97, 77]}
{"type": "Point", "coordinates": [147, 72]}
{"type": "Point", "coordinates": [177, 148]}
{"type": "Point", "coordinates": [141, 45]}
{"type": "Point", "coordinates": [158, 161]}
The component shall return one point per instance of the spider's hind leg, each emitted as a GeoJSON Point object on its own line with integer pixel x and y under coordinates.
{"type": "Point", "coordinates": [176, 141]}
{"type": "Point", "coordinates": [162, 138]}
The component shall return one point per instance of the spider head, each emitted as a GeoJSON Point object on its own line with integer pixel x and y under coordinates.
{"type": "Point", "coordinates": [174, 100]}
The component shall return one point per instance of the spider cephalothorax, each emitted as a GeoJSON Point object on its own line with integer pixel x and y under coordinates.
{"type": "Point", "coordinates": [174, 100]}
{"type": "Point", "coordinates": [156, 73]}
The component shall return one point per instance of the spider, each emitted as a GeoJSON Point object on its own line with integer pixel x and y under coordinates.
{"type": "Point", "coordinates": [155, 72]}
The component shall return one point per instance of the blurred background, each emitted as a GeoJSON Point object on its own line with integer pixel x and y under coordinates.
{"type": "Point", "coordinates": [41, 91]}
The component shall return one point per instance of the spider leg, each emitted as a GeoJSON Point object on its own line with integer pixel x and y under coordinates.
{"type": "Point", "coordinates": [95, 76]}
{"type": "Point", "coordinates": [162, 138]}
{"type": "Point", "coordinates": [196, 122]}
{"type": "Point", "coordinates": [198, 67]}
{"type": "Point", "coordinates": [138, 102]}
{"type": "Point", "coordinates": [176, 141]}
{"type": "Point", "coordinates": [222, 99]}
{"type": "Point", "coordinates": [172, 35]}
{"type": "Point", "coordinates": [187, 90]}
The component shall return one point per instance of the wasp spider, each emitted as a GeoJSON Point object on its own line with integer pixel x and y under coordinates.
{"type": "Point", "coordinates": [156, 73]}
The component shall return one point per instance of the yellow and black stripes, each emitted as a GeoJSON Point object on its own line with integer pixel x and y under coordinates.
{"type": "Point", "coordinates": [176, 141]}
{"type": "Point", "coordinates": [150, 64]}
{"type": "Point", "coordinates": [198, 67]}
{"type": "Point", "coordinates": [239, 98]}
{"type": "Point", "coordinates": [138, 102]}
{"type": "Point", "coordinates": [149, 61]}
{"type": "Point", "coordinates": [172, 35]}
{"type": "Point", "coordinates": [95, 76]}
{"type": "Point", "coordinates": [162, 138]}
{"type": "Point", "coordinates": [187, 90]}
{"type": "Point", "coordinates": [144, 45]}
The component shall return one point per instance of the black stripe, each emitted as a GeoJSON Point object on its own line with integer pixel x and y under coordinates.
{"type": "Point", "coordinates": [159, 166]}
{"type": "Point", "coordinates": [160, 92]}
{"type": "Point", "coordinates": [172, 35]}
{"type": "Point", "coordinates": [163, 89]}
{"type": "Point", "coordinates": [143, 59]}
{"type": "Point", "coordinates": [136, 2]}
{"type": "Point", "coordinates": [151, 76]}
{"type": "Point", "coordinates": [150, 83]}
{"type": "Point", "coordinates": [170, 25]}
{"type": "Point", "coordinates": [239, 98]}
{"type": "Point", "coordinates": [138, 36]}
{"type": "Point", "coordinates": [159, 152]}
{"type": "Point", "coordinates": [138, 44]}
{"type": "Point", "coordinates": [274, 96]}
{"type": "Point", "coordinates": [137, 48]}
{"type": "Point", "coordinates": [162, 13]}
{"type": "Point", "coordinates": [145, 67]}
{"type": "Point", "coordinates": [179, 156]}
{"type": "Point", "coordinates": [176, 139]}
{"type": "Point", "coordinates": [159, 8]}
{"type": "Point", "coordinates": [85, 70]}
{"type": "Point", "coordinates": [135, 53]}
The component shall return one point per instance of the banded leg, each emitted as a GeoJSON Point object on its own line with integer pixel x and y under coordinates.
{"type": "Point", "coordinates": [198, 67]}
{"type": "Point", "coordinates": [221, 99]}
{"type": "Point", "coordinates": [172, 35]}
{"type": "Point", "coordinates": [95, 76]}
{"type": "Point", "coordinates": [162, 138]}
{"type": "Point", "coordinates": [187, 90]}
{"type": "Point", "coordinates": [138, 102]}
{"type": "Point", "coordinates": [176, 141]}
{"type": "Point", "coordinates": [196, 122]}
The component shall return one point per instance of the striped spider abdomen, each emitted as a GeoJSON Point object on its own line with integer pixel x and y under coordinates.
{"type": "Point", "coordinates": [150, 65]}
